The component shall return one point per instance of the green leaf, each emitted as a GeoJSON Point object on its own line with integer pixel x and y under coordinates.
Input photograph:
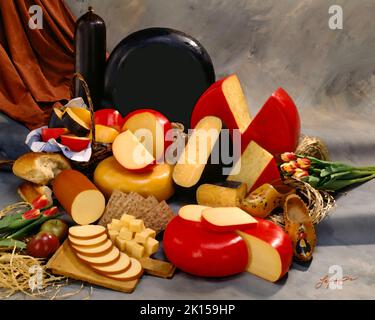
{"type": "Point", "coordinates": [11, 243]}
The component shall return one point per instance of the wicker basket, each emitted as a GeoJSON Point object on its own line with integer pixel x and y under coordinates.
{"type": "Point", "coordinates": [100, 151]}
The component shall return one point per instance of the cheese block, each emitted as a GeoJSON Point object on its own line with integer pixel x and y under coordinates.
{"type": "Point", "coordinates": [270, 250]}
{"type": "Point", "coordinates": [195, 163]}
{"type": "Point", "coordinates": [94, 251]}
{"type": "Point", "coordinates": [157, 126]}
{"type": "Point", "coordinates": [79, 196]}
{"type": "Point", "coordinates": [131, 153]}
{"type": "Point", "coordinates": [119, 266]}
{"type": "Point", "coordinates": [135, 271]}
{"type": "Point", "coordinates": [192, 212]}
{"type": "Point", "coordinates": [255, 167]}
{"type": "Point", "coordinates": [224, 99]}
{"type": "Point", "coordinates": [201, 252]}
{"type": "Point", "coordinates": [277, 125]}
{"type": "Point", "coordinates": [105, 134]}
{"type": "Point", "coordinates": [86, 232]}
{"type": "Point", "coordinates": [133, 238]}
{"type": "Point", "coordinates": [74, 143]}
{"type": "Point", "coordinates": [222, 194]}
{"type": "Point", "coordinates": [101, 260]}
{"type": "Point", "coordinates": [55, 121]}
{"type": "Point", "coordinates": [227, 219]}
{"type": "Point", "coordinates": [110, 175]}
{"type": "Point", "coordinates": [76, 121]}
{"type": "Point", "coordinates": [88, 242]}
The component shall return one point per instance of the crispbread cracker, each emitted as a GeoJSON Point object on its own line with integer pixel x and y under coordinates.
{"type": "Point", "coordinates": [118, 204]}
{"type": "Point", "coordinates": [158, 217]}
{"type": "Point", "coordinates": [144, 206]}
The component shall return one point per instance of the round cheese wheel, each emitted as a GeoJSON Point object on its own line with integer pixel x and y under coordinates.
{"type": "Point", "coordinates": [88, 242]}
{"type": "Point", "coordinates": [110, 175]}
{"type": "Point", "coordinates": [119, 266]}
{"type": "Point", "coordinates": [132, 273]}
{"type": "Point", "coordinates": [104, 259]}
{"type": "Point", "coordinates": [94, 250]}
{"type": "Point", "coordinates": [87, 231]}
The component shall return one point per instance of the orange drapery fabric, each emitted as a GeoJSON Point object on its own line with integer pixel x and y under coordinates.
{"type": "Point", "coordinates": [36, 65]}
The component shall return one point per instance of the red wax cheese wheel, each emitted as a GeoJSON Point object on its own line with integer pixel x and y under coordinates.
{"type": "Point", "coordinates": [201, 252]}
{"type": "Point", "coordinates": [52, 133]}
{"type": "Point", "coordinates": [74, 143]}
{"type": "Point", "coordinates": [276, 127]}
{"type": "Point", "coordinates": [131, 153]}
{"type": "Point", "coordinates": [109, 118]}
{"type": "Point", "coordinates": [224, 99]}
{"type": "Point", "coordinates": [255, 167]}
{"type": "Point", "coordinates": [156, 124]}
{"type": "Point", "coordinates": [109, 175]}
{"type": "Point", "coordinates": [78, 196]}
{"type": "Point", "coordinates": [270, 250]}
{"type": "Point", "coordinates": [227, 219]}
{"type": "Point", "coordinates": [87, 232]}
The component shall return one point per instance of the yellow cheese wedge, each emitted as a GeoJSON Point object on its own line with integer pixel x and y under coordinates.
{"type": "Point", "coordinates": [86, 232]}
{"type": "Point", "coordinates": [119, 266]}
{"type": "Point", "coordinates": [94, 250]}
{"type": "Point", "coordinates": [88, 242]}
{"type": "Point", "coordinates": [110, 175]}
{"type": "Point", "coordinates": [134, 272]}
{"type": "Point", "coordinates": [107, 258]}
{"type": "Point", "coordinates": [192, 212]}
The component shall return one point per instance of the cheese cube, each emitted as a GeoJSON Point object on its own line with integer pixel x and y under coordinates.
{"type": "Point", "coordinates": [113, 234]}
{"type": "Point", "coordinates": [126, 234]}
{"type": "Point", "coordinates": [141, 237]}
{"type": "Point", "coordinates": [116, 225]}
{"type": "Point", "coordinates": [134, 249]}
{"type": "Point", "coordinates": [151, 246]}
{"type": "Point", "coordinates": [125, 219]}
{"type": "Point", "coordinates": [136, 225]}
{"type": "Point", "coordinates": [151, 233]}
{"type": "Point", "coordinates": [109, 226]}
{"type": "Point", "coordinates": [121, 243]}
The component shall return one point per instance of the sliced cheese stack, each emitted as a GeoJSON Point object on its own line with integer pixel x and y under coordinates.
{"type": "Point", "coordinates": [91, 245]}
{"type": "Point", "coordinates": [130, 236]}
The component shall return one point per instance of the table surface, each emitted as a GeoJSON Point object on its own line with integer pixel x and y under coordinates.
{"type": "Point", "coordinates": [345, 238]}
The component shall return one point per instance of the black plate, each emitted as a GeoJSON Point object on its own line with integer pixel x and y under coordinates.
{"type": "Point", "coordinates": [158, 68]}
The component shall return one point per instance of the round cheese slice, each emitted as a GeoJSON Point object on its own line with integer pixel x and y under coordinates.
{"type": "Point", "coordinates": [134, 272]}
{"type": "Point", "coordinates": [86, 232]}
{"type": "Point", "coordinates": [94, 251]}
{"type": "Point", "coordinates": [119, 266]}
{"type": "Point", "coordinates": [108, 258]}
{"type": "Point", "coordinates": [88, 242]}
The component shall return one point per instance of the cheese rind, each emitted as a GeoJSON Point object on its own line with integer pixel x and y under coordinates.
{"type": "Point", "coordinates": [95, 250]}
{"type": "Point", "coordinates": [109, 175]}
{"type": "Point", "coordinates": [88, 242]}
{"type": "Point", "coordinates": [107, 258]}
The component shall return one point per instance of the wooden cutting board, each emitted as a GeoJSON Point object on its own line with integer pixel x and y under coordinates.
{"type": "Point", "coordinates": [64, 262]}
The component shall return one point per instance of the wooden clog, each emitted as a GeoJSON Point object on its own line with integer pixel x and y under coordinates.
{"type": "Point", "coordinates": [299, 226]}
{"type": "Point", "coordinates": [263, 200]}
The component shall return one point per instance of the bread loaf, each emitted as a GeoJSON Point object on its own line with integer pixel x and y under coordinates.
{"type": "Point", "coordinates": [40, 168]}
